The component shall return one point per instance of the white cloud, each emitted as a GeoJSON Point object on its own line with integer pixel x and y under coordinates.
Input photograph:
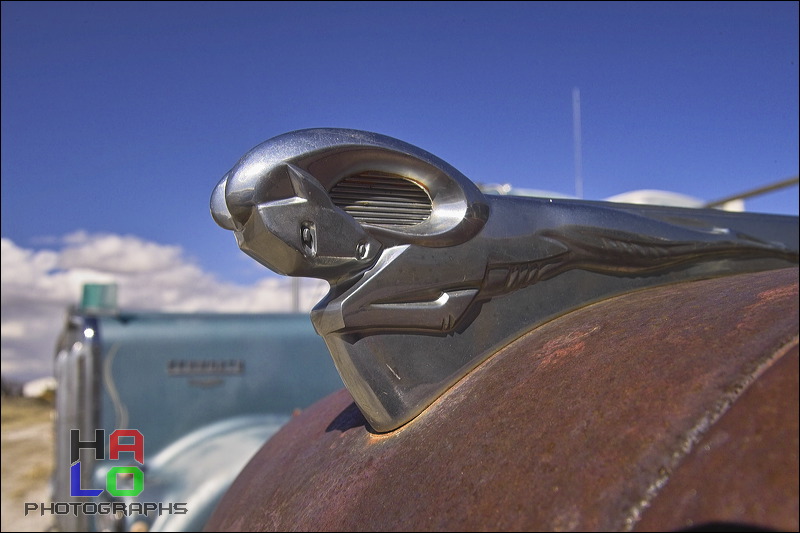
{"type": "Point", "coordinates": [123, 254]}
{"type": "Point", "coordinates": [38, 286]}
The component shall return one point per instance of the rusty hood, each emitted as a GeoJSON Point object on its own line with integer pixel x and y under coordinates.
{"type": "Point", "coordinates": [667, 408]}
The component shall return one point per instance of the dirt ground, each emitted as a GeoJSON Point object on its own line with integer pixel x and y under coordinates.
{"type": "Point", "coordinates": [27, 462]}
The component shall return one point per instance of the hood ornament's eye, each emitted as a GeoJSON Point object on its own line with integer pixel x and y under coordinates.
{"type": "Point", "coordinates": [362, 249]}
{"type": "Point", "coordinates": [309, 237]}
{"type": "Point", "coordinates": [429, 276]}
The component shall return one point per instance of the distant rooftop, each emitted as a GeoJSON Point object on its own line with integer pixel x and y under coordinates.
{"type": "Point", "coordinates": [674, 199]}
{"type": "Point", "coordinates": [641, 196]}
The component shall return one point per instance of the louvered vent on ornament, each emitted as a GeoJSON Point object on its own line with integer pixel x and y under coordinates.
{"type": "Point", "coordinates": [381, 199]}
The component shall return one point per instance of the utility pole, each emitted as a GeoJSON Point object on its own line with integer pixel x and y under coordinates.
{"type": "Point", "coordinates": [576, 137]}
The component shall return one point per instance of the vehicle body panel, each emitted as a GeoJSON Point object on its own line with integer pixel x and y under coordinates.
{"type": "Point", "coordinates": [217, 383]}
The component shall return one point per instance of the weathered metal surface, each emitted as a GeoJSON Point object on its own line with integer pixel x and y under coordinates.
{"type": "Point", "coordinates": [616, 416]}
{"type": "Point", "coordinates": [746, 451]}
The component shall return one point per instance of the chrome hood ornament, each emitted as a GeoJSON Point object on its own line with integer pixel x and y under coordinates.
{"type": "Point", "coordinates": [429, 276]}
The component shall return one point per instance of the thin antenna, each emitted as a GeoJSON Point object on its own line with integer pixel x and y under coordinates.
{"type": "Point", "coordinates": [576, 136]}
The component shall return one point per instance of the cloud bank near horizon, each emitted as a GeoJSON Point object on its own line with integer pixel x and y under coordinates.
{"type": "Point", "coordinates": [38, 286]}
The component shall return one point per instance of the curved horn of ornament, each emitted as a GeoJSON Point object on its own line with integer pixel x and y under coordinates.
{"type": "Point", "coordinates": [429, 276]}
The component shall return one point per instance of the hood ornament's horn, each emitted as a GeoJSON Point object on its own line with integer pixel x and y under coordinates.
{"type": "Point", "coordinates": [429, 276]}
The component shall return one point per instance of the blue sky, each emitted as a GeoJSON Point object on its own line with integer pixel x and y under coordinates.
{"type": "Point", "coordinates": [120, 117]}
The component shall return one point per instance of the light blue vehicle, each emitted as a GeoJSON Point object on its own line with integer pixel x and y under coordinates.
{"type": "Point", "coordinates": [204, 390]}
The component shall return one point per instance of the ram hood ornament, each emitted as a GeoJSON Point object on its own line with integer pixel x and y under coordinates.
{"type": "Point", "coordinates": [429, 276]}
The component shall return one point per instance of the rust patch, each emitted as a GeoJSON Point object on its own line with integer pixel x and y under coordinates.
{"type": "Point", "coordinates": [557, 431]}
{"type": "Point", "coordinates": [777, 293]}
{"type": "Point", "coordinates": [571, 343]}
